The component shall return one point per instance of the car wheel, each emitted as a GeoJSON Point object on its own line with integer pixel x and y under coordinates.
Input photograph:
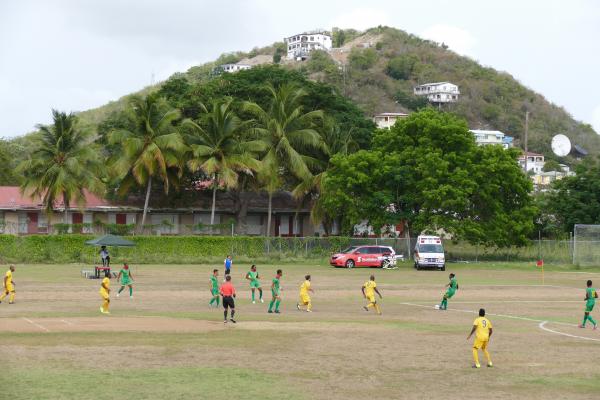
{"type": "Point", "coordinates": [350, 264]}
{"type": "Point", "coordinates": [443, 268]}
{"type": "Point", "coordinates": [417, 267]}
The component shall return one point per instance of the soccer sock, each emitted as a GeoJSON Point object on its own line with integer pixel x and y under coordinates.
{"type": "Point", "coordinates": [370, 305]}
{"type": "Point", "coordinates": [444, 303]}
{"type": "Point", "coordinates": [260, 293]}
{"type": "Point", "coordinates": [308, 306]}
{"type": "Point", "coordinates": [475, 356]}
{"type": "Point", "coordinates": [105, 305]}
{"type": "Point", "coordinates": [377, 308]}
{"type": "Point", "coordinates": [12, 298]}
{"type": "Point", "coordinates": [271, 305]}
{"type": "Point", "coordinates": [3, 296]}
{"type": "Point", "coordinates": [225, 315]}
{"type": "Point", "coordinates": [277, 305]}
{"type": "Point", "coordinates": [253, 295]}
{"type": "Point", "coordinates": [130, 291]}
{"type": "Point", "coordinates": [487, 356]}
{"type": "Point", "coordinates": [585, 317]}
{"type": "Point", "coordinates": [121, 289]}
{"type": "Point", "coordinates": [592, 320]}
{"type": "Point", "coordinates": [232, 313]}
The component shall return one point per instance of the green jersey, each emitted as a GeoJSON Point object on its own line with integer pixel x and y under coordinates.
{"type": "Point", "coordinates": [276, 285]}
{"type": "Point", "coordinates": [453, 284]}
{"type": "Point", "coordinates": [253, 275]}
{"type": "Point", "coordinates": [591, 295]}
{"type": "Point", "coordinates": [215, 283]}
{"type": "Point", "coordinates": [125, 278]}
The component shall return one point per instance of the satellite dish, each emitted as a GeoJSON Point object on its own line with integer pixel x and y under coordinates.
{"type": "Point", "coordinates": [561, 145]}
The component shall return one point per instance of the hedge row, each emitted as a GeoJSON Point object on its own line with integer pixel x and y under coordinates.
{"type": "Point", "coordinates": [71, 248]}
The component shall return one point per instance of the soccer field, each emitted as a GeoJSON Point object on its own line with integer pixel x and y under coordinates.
{"type": "Point", "coordinates": [166, 343]}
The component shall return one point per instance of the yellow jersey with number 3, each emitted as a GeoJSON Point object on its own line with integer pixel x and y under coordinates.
{"type": "Point", "coordinates": [482, 333]}
{"type": "Point", "coordinates": [370, 288]}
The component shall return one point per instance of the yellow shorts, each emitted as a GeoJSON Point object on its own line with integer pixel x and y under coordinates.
{"type": "Point", "coordinates": [10, 288]}
{"type": "Point", "coordinates": [104, 295]}
{"type": "Point", "coordinates": [371, 299]}
{"type": "Point", "coordinates": [480, 344]}
{"type": "Point", "coordinates": [304, 299]}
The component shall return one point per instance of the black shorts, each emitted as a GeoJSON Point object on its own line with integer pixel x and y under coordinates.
{"type": "Point", "coordinates": [228, 302]}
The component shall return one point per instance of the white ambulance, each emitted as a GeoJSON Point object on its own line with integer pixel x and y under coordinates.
{"type": "Point", "coordinates": [429, 253]}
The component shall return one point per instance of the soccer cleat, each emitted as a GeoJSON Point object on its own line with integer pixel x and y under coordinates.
{"type": "Point", "coordinates": [366, 308]}
{"type": "Point", "coordinates": [277, 312]}
{"type": "Point", "coordinates": [253, 302]}
{"type": "Point", "coordinates": [298, 306]}
{"type": "Point", "coordinates": [131, 297]}
{"type": "Point", "coordinates": [476, 366]}
{"type": "Point", "coordinates": [262, 301]}
{"type": "Point", "coordinates": [225, 321]}
{"type": "Point", "coordinates": [308, 310]}
{"type": "Point", "coordinates": [490, 365]}
{"type": "Point", "coordinates": [582, 326]}
{"type": "Point", "coordinates": [233, 320]}
{"type": "Point", "coordinates": [270, 311]}
{"type": "Point", "coordinates": [118, 294]}
{"type": "Point", "coordinates": [595, 327]}
{"type": "Point", "coordinates": [102, 310]}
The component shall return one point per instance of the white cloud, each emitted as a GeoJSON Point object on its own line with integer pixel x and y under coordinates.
{"type": "Point", "coordinates": [596, 119]}
{"type": "Point", "coordinates": [361, 19]}
{"type": "Point", "coordinates": [458, 39]}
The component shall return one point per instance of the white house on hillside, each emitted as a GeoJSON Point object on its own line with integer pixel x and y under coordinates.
{"type": "Point", "coordinates": [535, 162]}
{"type": "Point", "coordinates": [234, 67]}
{"type": "Point", "coordinates": [438, 92]}
{"type": "Point", "coordinates": [298, 46]}
{"type": "Point", "coordinates": [387, 120]}
{"type": "Point", "coordinates": [485, 138]}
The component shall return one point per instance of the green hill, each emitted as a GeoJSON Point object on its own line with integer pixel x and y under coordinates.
{"type": "Point", "coordinates": [378, 69]}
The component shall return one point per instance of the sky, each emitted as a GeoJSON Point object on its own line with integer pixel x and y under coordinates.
{"type": "Point", "coordinates": [79, 54]}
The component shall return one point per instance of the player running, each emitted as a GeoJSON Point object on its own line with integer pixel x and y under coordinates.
{"type": "Point", "coordinates": [9, 286]}
{"type": "Point", "coordinates": [482, 327]}
{"type": "Point", "coordinates": [276, 292]}
{"type": "Point", "coordinates": [228, 262]}
{"type": "Point", "coordinates": [105, 293]}
{"type": "Point", "coordinates": [126, 278]}
{"type": "Point", "coordinates": [253, 277]}
{"type": "Point", "coordinates": [452, 288]}
{"type": "Point", "coordinates": [228, 293]}
{"type": "Point", "coordinates": [590, 301]}
{"type": "Point", "coordinates": [368, 290]}
{"type": "Point", "coordinates": [304, 295]}
{"type": "Point", "coordinates": [213, 286]}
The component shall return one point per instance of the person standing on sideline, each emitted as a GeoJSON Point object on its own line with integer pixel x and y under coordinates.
{"type": "Point", "coordinates": [214, 288]}
{"type": "Point", "coordinates": [9, 285]}
{"type": "Point", "coordinates": [368, 290]}
{"type": "Point", "coordinates": [126, 280]}
{"type": "Point", "coordinates": [590, 301]}
{"type": "Point", "coordinates": [253, 277]}
{"type": "Point", "coordinates": [305, 288]}
{"type": "Point", "coordinates": [482, 327]}
{"type": "Point", "coordinates": [228, 263]}
{"type": "Point", "coordinates": [276, 292]}
{"type": "Point", "coordinates": [105, 293]}
{"type": "Point", "coordinates": [228, 293]}
{"type": "Point", "coordinates": [105, 257]}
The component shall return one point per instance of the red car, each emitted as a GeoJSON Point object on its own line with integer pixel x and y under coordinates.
{"type": "Point", "coordinates": [363, 256]}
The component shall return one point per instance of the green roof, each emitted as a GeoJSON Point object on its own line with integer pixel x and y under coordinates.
{"type": "Point", "coordinates": [110, 240]}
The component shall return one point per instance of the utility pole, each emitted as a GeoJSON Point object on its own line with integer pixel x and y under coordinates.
{"type": "Point", "coordinates": [526, 132]}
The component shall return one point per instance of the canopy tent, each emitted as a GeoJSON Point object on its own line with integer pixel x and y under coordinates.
{"type": "Point", "coordinates": [110, 240]}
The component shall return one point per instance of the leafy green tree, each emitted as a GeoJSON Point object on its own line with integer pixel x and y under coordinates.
{"type": "Point", "coordinates": [62, 165]}
{"type": "Point", "coordinates": [411, 101]}
{"type": "Point", "coordinates": [8, 176]}
{"type": "Point", "coordinates": [576, 199]}
{"type": "Point", "coordinates": [151, 150]}
{"type": "Point", "coordinates": [320, 61]}
{"type": "Point", "coordinates": [289, 134]}
{"type": "Point", "coordinates": [362, 59]}
{"type": "Point", "coordinates": [219, 148]}
{"type": "Point", "coordinates": [427, 171]}
{"type": "Point", "coordinates": [402, 67]}
{"type": "Point", "coordinates": [551, 165]}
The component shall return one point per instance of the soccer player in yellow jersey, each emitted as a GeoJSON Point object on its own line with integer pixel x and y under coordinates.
{"type": "Point", "coordinates": [482, 327]}
{"type": "Point", "coordinates": [304, 296]}
{"type": "Point", "coordinates": [368, 290]}
{"type": "Point", "coordinates": [105, 293]}
{"type": "Point", "coordinates": [9, 286]}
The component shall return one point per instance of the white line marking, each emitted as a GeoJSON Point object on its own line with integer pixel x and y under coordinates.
{"type": "Point", "coordinates": [542, 327]}
{"type": "Point", "coordinates": [36, 324]}
{"type": "Point", "coordinates": [517, 301]}
{"type": "Point", "coordinates": [492, 314]}
{"type": "Point", "coordinates": [67, 322]}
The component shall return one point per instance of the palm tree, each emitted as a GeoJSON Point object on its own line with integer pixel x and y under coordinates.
{"type": "Point", "coordinates": [289, 134]}
{"type": "Point", "coordinates": [151, 150]}
{"type": "Point", "coordinates": [220, 148]}
{"type": "Point", "coordinates": [62, 164]}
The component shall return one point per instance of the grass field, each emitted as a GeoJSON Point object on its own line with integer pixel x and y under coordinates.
{"type": "Point", "coordinates": [166, 343]}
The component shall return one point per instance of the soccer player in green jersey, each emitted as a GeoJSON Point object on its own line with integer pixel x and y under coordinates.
{"type": "Point", "coordinates": [253, 277]}
{"type": "Point", "coordinates": [590, 301]}
{"type": "Point", "coordinates": [213, 286]}
{"type": "Point", "coordinates": [452, 288]}
{"type": "Point", "coordinates": [276, 292]}
{"type": "Point", "coordinates": [126, 280]}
